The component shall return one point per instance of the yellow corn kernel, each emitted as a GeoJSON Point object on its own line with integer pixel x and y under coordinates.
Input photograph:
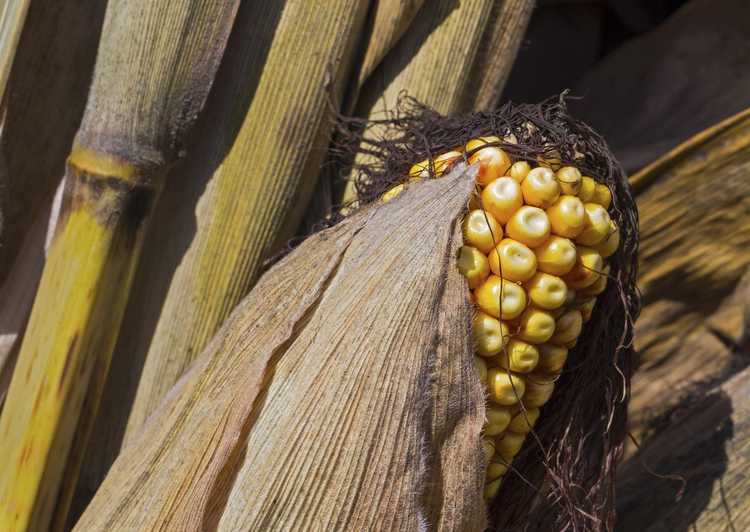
{"type": "Point", "coordinates": [421, 170]}
{"type": "Point", "coordinates": [473, 265]}
{"type": "Point", "coordinates": [519, 171]}
{"type": "Point", "coordinates": [540, 188]}
{"type": "Point", "coordinates": [481, 230]}
{"type": "Point", "coordinates": [556, 256]}
{"type": "Point", "coordinates": [502, 197]}
{"type": "Point", "coordinates": [496, 470]}
{"type": "Point", "coordinates": [488, 446]}
{"type": "Point", "coordinates": [567, 328]}
{"type": "Point", "coordinates": [504, 388]}
{"type": "Point", "coordinates": [550, 158]}
{"type": "Point", "coordinates": [586, 270]}
{"type": "Point", "coordinates": [597, 287]}
{"type": "Point", "coordinates": [523, 422]}
{"type": "Point", "coordinates": [512, 260]}
{"type": "Point", "coordinates": [596, 225]}
{"type": "Point", "coordinates": [536, 326]}
{"type": "Point", "coordinates": [500, 298]}
{"type": "Point", "coordinates": [538, 391]}
{"type": "Point", "coordinates": [587, 308]}
{"type": "Point", "coordinates": [493, 162]}
{"type": "Point", "coordinates": [567, 216]}
{"type": "Point", "coordinates": [546, 291]}
{"type": "Point", "coordinates": [529, 225]}
{"type": "Point", "coordinates": [588, 185]}
{"type": "Point", "coordinates": [602, 195]}
{"type": "Point", "coordinates": [569, 178]}
{"type": "Point", "coordinates": [611, 242]}
{"type": "Point", "coordinates": [552, 358]}
{"type": "Point", "coordinates": [519, 357]}
{"type": "Point", "coordinates": [508, 445]}
{"type": "Point", "coordinates": [491, 489]}
{"type": "Point", "coordinates": [481, 367]}
{"type": "Point", "coordinates": [392, 193]}
{"type": "Point", "coordinates": [490, 335]}
{"type": "Point", "coordinates": [498, 418]}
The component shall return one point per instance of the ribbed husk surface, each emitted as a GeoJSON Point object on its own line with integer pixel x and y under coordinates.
{"type": "Point", "coordinates": [340, 394]}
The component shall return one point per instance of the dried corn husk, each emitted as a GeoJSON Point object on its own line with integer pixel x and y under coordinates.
{"type": "Point", "coordinates": [339, 395]}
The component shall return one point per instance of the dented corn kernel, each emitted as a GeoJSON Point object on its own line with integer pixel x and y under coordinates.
{"type": "Point", "coordinates": [490, 334]}
{"type": "Point", "coordinates": [529, 225]}
{"type": "Point", "coordinates": [567, 216]}
{"type": "Point", "coordinates": [540, 188]}
{"type": "Point", "coordinates": [512, 260]}
{"type": "Point", "coordinates": [493, 162]}
{"type": "Point", "coordinates": [481, 230]}
{"type": "Point", "coordinates": [501, 298]}
{"type": "Point", "coordinates": [473, 264]}
{"type": "Point", "coordinates": [502, 198]}
{"type": "Point", "coordinates": [570, 179]}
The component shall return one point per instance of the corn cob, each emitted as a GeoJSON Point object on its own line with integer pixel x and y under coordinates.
{"type": "Point", "coordinates": [534, 257]}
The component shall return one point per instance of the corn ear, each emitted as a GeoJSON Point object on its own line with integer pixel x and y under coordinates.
{"type": "Point", "coordinates": [351, 359]}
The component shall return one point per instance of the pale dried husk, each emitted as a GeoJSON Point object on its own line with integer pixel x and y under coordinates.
{"type": "Point", "coordinates": [340, 394]}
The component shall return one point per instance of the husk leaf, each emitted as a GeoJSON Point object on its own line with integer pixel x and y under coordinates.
{"type": "Point", "coordinates": [340, 394]}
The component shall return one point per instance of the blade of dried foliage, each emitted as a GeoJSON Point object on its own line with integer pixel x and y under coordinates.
{"type": "Point", "coordinates": [693, 474]}
{"type": "Point", "coordinates": [340, 394]}
{"type": "Point", "coordinates": [695, 248]}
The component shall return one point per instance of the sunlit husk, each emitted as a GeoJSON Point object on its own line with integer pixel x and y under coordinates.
{"type": "Point", "coordinates": [340, 394]}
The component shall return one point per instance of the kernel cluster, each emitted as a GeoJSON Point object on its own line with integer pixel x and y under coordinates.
{"type": "Point", "coordinates": [536, 240]}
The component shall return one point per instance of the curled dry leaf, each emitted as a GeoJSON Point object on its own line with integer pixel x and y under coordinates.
{"type": "Point", "coordinates": [340, 394]}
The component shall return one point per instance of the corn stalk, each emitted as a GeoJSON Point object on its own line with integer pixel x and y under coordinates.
{"type": "Point", "coordinates": [12, 17]}
{"type": "Point", "coordinates": [147, 89]}
{"type": "Point", "coordinates": [259, 191]}
{"type": "Point", "coordinates": [43, 108]}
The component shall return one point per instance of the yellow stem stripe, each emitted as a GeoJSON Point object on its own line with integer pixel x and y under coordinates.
{"type": "Point", "coordinates": [95, 163]}
{"type": "Point", "coordinates": [73, 327]}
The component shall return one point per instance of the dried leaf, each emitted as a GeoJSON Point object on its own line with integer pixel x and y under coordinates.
{"type": "Point", "coordinates": [694, 205]}
{"type": "Point", "coordinates": [340, 394]}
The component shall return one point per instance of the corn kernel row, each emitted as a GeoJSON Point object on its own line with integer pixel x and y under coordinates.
{"type": "Point", "coordinates": [535, 244]}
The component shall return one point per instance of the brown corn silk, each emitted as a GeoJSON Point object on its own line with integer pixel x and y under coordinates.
{"type": "Point", "coordinates": [340, 394]}
{"type": "Point", "coordinates": [453, 56]}
{"type": "Point", "coordinates": [563, 478]}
